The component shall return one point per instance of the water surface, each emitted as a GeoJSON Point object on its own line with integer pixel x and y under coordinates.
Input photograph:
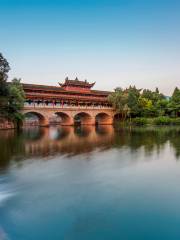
{"type": "Point", "coordinates": [90, 183]}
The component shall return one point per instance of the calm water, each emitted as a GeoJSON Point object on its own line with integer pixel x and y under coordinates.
{"type": "Point", "coordinates": [90, 184]}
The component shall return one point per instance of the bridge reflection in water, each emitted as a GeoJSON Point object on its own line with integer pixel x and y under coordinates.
{"type": "Point", "coordinates": [36, 142]}
{"type": "Point", "coordinates": [66, 140]}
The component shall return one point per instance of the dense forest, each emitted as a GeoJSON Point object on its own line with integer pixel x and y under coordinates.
{"type": "Point", "coordinates": [11, 95]}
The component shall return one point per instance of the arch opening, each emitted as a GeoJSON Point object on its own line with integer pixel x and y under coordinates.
{"type": "Point", "coordinates": [83, 118]}
{"type": "Point", "coordinates": [103, 119]}
{"type": "Point", "coordinates": [64, 119]}
{"type": "Point", "coordinates": [35, 119]}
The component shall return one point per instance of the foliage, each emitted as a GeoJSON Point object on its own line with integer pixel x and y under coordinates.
{"type": "Point", "coordinates": [4, 69]}
{"type": "Point", "coordinates": [174, 104]}
{"type": "Point", "coordinates": [146, 103]}
{"type": "Point", "coordinates": [16, 100]}
{"type": "Point", "coordinates": [119, 101]}
{"type": "Point", "coordinates": [146, 106]}
{"type": "Point", "coordinates": [175, 121]}
{"type": "Point", "coordinates": [166, 121]}
{"type": "Point", "coordinates": [125, 101]}
{"type": "Point", "coordinates": [133, 98]}
{"type": "Point", "coordinates": [11, 94]}
{"type": "Point", "coordinates": [162, 120]}
{"type": "Point", "coordinates": [140, 121]}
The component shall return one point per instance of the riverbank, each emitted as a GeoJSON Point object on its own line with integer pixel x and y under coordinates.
{"type": "Point", "coordinates": [157, 121]}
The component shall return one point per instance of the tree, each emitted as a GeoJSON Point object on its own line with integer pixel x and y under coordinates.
{"type": "Point", "coordinates": [16, 101]}
{"type": "Point", "coordinates": [4, 69]}
{"type": "Point", "coordinates": [157, 101]}
{"type": "Point", "coordinates": [162, 107]}
{"type": "Point", "coordinates": [174, 104]}
{"type": "Point", "coordinates": [145, 106]}
{"type": "Point", "coordinates": [11, 94]}
{"type": "Point", "coordinates": [119, 99]}
{"type": "Point", "coordinates": [133, 97]}
{"type": "Point", "coordinates": [131, 103]}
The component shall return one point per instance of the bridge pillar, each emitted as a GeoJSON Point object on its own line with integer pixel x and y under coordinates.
{"type": "Point", "coordinates": [44, 122]}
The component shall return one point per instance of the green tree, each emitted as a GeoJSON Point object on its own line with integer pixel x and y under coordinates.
{"type": "Point", "coordinates": [130, 102]}
{"type": "Point", "coordinates": [4, 69]}
{"type": "Point", "coordinates": [153, 96]}
{"type": "Point", "coordinates": [157, 101]}
{"type": "Point", "coordinates": [162, 107]}
{"type": "Point", "coordinates": [133, 98]}
{"type": "Point", "coordinates": [174, 104]}
{"type": "Point", "coordinates": [16, 101]}
{"type": "Point", "coordinates": [119, 100]}
{"type": "Point", "coordinates": [11, 94]}
{"type": "Point", "coordinates": [145, 106]}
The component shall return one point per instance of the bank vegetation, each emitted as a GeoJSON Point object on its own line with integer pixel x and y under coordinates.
{"type": "Point", "coordinates": [143, 106]}
{"type": "Point", "coordinates": [11, 97]}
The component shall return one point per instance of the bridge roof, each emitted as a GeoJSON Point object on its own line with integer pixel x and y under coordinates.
{"type": "Point", "coordinates": [77, 83]}
{"type": "Point", "coordinates": [59, 90]}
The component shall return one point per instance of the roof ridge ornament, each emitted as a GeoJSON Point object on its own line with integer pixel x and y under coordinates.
{"type": "Point", "coordinates": [76, 83]}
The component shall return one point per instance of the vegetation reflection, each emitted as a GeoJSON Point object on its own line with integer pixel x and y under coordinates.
{"type": "Point", "coordinates": [45, 142]}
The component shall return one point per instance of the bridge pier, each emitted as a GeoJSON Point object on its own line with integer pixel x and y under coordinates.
{"type": "Point", "coordinates": [44, 123]}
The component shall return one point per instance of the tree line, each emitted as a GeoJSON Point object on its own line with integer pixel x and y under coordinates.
{"type": "Point", "coordinates": [12, 95]}
{"type": "Point", "coordinates": [132, 102]}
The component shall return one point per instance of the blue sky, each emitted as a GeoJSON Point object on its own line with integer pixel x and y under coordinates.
{"type": "Point", "coordinates": [115, 43]}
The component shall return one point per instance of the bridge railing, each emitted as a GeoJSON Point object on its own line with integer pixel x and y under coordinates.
{"type": "Point", "coordinates": [59, 106]}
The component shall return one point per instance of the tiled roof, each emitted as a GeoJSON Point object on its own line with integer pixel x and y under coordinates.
{"type": "Point", "coordinates": [77, 82]}
{"type": "Point", "coordinates": [45, 87]}
{"type": "Point", "coordinates": [58, 89]}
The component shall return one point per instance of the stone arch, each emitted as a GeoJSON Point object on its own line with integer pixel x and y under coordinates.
{"type": "Point", "coordinates": [66, 120]}
{"type": "Point", "coordinates": [83, 118]}
{"type": "Point", "coordinates": [103, 118]}
{"type": "Point", "coordinates": [42, 120]}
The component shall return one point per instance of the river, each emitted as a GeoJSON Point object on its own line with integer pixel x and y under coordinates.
{"type": "Point", "coordinates": [90, 183]}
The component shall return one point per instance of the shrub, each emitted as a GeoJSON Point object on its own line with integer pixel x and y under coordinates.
{"type": "Point", "coordinates": [140, 121]}
{"type": "Point", "coordinates": [162, 121]}
{"type": "Point", "coordinates": [175, 121]}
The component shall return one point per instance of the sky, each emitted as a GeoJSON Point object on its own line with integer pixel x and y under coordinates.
{"type": "Point", "coordinates": [115, 43]}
